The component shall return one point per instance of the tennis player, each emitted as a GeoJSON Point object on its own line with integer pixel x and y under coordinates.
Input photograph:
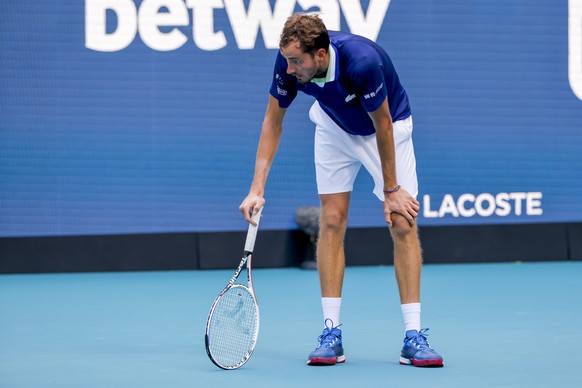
{"type": "Point", "coordinates": [362, 117]}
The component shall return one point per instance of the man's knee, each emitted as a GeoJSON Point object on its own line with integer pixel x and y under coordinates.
{"type": "Point", "coordinates": [401, 228]}
{"type": "Point", "coordinates": [332, 219]}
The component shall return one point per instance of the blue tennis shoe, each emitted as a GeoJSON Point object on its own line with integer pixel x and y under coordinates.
{"type": "Point", "coordinates": [417, 351]}
{"type": "Point", "coordinates": [329, 351]}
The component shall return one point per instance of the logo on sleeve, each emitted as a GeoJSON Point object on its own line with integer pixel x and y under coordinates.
{"type": "Point", "coordinates": [373, 94]}
{"type": "Point", "coordinates": [280, 82]}
{"type": "Point", "coordinates": [350, 97]}
{"type": "Point", "coordinates": [279, 79]}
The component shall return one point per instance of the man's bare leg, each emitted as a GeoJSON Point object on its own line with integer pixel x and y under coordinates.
{"type": "Point", "coordinates": [330, 264]}
{"type": "Point", "coordinates": [407, 259]}
{"type": "Point", "coordinates": [330, 246]}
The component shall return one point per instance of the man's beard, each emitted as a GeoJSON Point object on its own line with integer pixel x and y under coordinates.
{"type": "Point", "coordinates": [320, 74]}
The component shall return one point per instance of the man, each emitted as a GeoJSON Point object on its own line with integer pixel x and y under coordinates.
{"type": "Point", "coordinates": [362, 117]}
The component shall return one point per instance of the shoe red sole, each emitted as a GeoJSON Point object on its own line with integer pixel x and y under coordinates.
{"type": "Point", "coordinates": [428, 363]}
{"type": "Point", "coordinates": [322, 361]}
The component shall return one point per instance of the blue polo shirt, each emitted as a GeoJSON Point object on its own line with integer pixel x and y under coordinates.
{"type": "Point", "coordinates": [360, 76]}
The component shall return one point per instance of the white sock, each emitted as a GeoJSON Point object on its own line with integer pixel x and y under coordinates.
{"type": "Point", "coordinates": [411, 316]}
{"type": "Point", "coordinates": [331, 310]}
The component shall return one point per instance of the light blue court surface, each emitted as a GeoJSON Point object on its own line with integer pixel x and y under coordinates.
{"type": "Point", "coordinates": [497, 325]}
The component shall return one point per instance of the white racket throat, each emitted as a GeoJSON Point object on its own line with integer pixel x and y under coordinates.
{"type": "Point", "coordinates": [232, 327]}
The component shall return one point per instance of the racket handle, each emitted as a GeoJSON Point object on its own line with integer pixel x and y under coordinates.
{"type": "Point", "coordinates": [252, 233]}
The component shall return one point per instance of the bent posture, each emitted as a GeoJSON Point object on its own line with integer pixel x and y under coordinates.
{"type": "Point", "coordinates": [362, 118]}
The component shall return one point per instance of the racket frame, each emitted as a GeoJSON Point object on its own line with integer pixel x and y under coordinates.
{"type": "Point", "coordinates": [245, 263]}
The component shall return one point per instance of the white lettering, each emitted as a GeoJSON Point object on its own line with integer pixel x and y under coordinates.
{"type": "Point", "coordinates": [448, 207]}
{"type": "Point", "coordinates": [575, 46]}
{"type": "Point", "coordinates": [485, 205]}
{"type": "Point", "coordinates": [370, 25]}
{"type": "Point", "coordinates": [463, 211]}
{"type": "Point", "coordinates": [203, 24]}
{"type": "Point", "coordinates": [503, 206]}
{"type": "Point", "coordinates": [427, 212]}
{"type": "Point", "coordinates": [517, 198]}
{"type": "Point", "coordinates": [150, 19]}
{"type": "Point", "coordinates": [244, 20]}
{"type": "Point", "coordinates": [533, 204]}
{"type": "Point", "coordinates": [245, 24]}
{"type": "Point", "coordinates": [96, 36]}
{"type": "Point", "coordinates": [487, 210]}
{"type": "Point", "coordinates": [329, 11]}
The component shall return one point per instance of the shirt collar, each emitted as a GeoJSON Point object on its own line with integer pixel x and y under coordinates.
{"type": "Point", "coordinates": [331, 69]}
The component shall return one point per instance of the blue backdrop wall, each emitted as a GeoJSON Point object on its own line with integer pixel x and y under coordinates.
{"type": "Point", "coordinates": [121, 116]}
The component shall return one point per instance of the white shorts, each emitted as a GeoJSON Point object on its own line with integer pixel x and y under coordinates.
{"type": "Point", "coordinates": [339, 156]}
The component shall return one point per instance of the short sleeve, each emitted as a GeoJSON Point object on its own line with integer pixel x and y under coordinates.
{"type": "Point", "coordinates": [369, 79]}
{"type": "Point", "coordinates": [283, 86]}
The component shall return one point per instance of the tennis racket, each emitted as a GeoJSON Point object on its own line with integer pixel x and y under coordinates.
{"type": "Point", "coordinates": [233, 322]}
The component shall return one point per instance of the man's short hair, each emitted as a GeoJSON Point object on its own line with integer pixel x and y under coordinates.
{"type": "Point", "coordinates": [308, 30]}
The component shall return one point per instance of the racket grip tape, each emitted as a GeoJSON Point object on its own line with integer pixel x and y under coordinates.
{"type": "Point", "coordinates": [252, 232]}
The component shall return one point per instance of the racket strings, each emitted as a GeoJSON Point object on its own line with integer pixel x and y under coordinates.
{"type": "Point", "coordinates": [232, 330]}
